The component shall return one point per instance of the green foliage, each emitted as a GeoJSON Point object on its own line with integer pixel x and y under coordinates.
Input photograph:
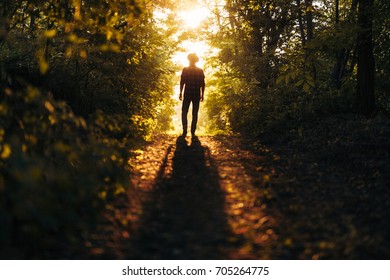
{"type": "Point", "coordinates": [81, 83]}
{"type": "Point", "coordinates": [382, 56]}
{"type": "Point", "coordinates": [57, 172]}
{"type": "Point", "coordinates": [272, 76]}
{"type": "Point", "coordinates": [119, 64]}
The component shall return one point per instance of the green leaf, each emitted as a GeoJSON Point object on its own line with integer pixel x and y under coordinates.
{"type": "Point", "coordinates": [306, 87]}
{"type": "Point", "coordinates": [279, 80]}
{"type": "Point", "coordinates": [43, 66]}
{"type": "Point", "coordinates": [50, 33]}
{"type": "Point", "coordinates": [299, 83]}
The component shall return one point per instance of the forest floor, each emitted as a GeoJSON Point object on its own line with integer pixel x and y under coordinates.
{"type": "Point", "coordinates": [320, 193]}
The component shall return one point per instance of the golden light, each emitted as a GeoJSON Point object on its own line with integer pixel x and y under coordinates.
{"type": "Point", "coordinates": [193, 18]}
{"type": "Point", "coordinates": [199, 47]}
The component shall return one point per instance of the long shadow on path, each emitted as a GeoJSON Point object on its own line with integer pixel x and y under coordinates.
{"type": "Point", "coordinates": [184, 217]}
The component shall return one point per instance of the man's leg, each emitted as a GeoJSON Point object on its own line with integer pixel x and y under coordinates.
{"type": "Point", "coordinates": [184, 112]}
{"type": "Point", "coordinates": [195, 109]}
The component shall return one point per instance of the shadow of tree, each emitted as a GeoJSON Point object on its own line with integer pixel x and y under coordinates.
{"type": "Point", "coordinates": [184, 217]}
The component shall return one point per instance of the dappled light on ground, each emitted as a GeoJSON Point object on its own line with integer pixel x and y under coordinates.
{"type": "Point", "coordinates": [199, 203]}
{"type": "Point", "coordinates": [224, 198]}
{"type": "Point", "coordinates": [183, 215]}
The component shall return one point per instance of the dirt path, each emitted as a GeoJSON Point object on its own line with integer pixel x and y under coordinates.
{"type": "Point", "coordinates": [199, 202]}
{"type": "Point", "coordinates": [219, 198]}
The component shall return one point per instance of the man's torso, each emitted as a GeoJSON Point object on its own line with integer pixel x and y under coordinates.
{"type": "Point", "coordinates": [193, 78]}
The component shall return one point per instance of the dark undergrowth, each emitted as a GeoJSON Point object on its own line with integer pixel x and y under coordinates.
{"type": "Point", "coordinates": [330, 187]}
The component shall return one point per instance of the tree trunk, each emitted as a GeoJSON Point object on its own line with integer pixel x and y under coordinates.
{"type": "Point", "coordinates": [309, 19]}
{"type": "Point", "coordinates": [336, 68]}
{"type": "Point", "coordinates": [300, 21]}
{"type": "Point", "coordinates": [343, 55]}
{"type": "Point", "coordinates": [366, 64]}
{"type": "Point", "coordinates": [4, 21]}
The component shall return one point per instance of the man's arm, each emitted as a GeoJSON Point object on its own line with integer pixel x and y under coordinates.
{"type": "Point", "coordinates": [202, 89]}
{"type": "Point", "coordinates": [181, 89]}
{"type": "Point", "coordinates": [202, 92]}
{"type": "Point", "coordinates": [182, 82]}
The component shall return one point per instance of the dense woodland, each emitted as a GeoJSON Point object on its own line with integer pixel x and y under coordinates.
{"type": "Point", "coordinates": [84, 83]}
{"type": "Point", "coordinates": [290, 61]}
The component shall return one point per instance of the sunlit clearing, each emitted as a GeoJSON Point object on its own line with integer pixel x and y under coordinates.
{"type": "Point", "coordinates": [193, 18]}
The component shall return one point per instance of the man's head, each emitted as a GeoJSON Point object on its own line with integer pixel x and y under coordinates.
{"type": "Point", "coordinates": [193, 58]}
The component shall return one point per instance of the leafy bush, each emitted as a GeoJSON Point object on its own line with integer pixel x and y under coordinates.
{"type": "Point", "coordinates": [78, 90]}
{"type": "Point", "coordinates": [57, 172]}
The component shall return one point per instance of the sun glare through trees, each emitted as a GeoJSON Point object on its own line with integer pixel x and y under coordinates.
{"type": "Point", "coordinates": [193, 17]}
{"type": "Point", "coordinates": [191, 39]}
{"type": "Point", "coordinates": [192, 20]}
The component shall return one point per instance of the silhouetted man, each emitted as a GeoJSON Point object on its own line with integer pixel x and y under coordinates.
{"type": "Point", "coordinates": [192, 80]}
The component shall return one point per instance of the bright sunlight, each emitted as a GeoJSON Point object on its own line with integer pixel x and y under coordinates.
{"type": "Point", "coordinates": [193, 18]}
{"type": "Point", "coordinates": [191, 15]}
{"type": "Point", "coordinates": [201, 48]}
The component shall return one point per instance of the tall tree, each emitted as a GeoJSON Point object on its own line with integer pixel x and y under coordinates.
{"type": "Point", "coordinates": [300, 22]}
{"type": "Point", "coordinates": [366, 63]}
{"type": "Point", "coordinates": [309, 19]}
{"type": "Point", "coordinates": [343, 54]}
